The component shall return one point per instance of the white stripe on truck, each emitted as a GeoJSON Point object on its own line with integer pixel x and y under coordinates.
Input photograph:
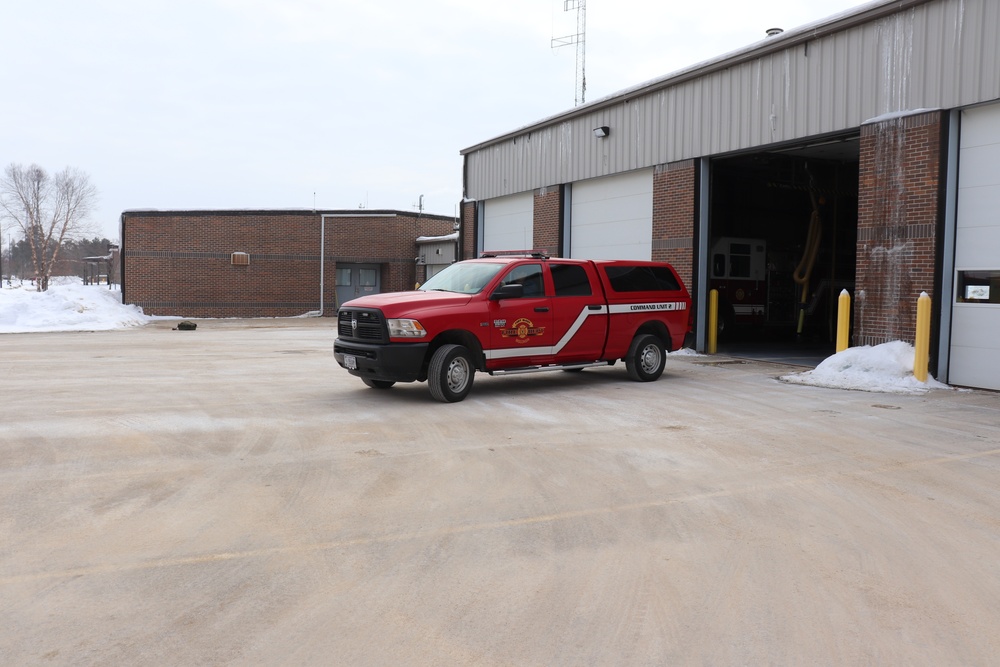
{"type": "Point", "coordinates": [618, 309]}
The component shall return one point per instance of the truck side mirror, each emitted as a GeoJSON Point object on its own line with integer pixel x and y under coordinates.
{"type": "Point", "coordinates": [511, 291]}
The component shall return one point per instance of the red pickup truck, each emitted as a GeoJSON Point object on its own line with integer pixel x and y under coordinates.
{"type": "Point", "coordinates": [515, 314]}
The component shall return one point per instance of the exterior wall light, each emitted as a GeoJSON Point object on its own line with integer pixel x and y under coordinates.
{"type": "Point", "coordinates": [602, 131]}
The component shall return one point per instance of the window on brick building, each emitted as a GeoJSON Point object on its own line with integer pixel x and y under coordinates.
{"type": "Point", "coordinates": [368, 277]}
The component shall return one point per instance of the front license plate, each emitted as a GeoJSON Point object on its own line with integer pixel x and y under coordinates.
{"type": "Point", "coordinates": [350, 362]}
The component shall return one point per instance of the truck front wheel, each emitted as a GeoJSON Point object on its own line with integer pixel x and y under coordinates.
{"type": "Point", "coordinates": [450, 373]}
{"type": "Point", "coordinates": [646, 358]}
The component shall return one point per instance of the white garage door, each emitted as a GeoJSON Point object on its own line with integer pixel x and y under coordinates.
{"type": "Point", "coordinates": [975, 345]}
{"type": "Point", "coordinates": [612, 217]}
{"type": "Point", "coordinates": [508, 223]}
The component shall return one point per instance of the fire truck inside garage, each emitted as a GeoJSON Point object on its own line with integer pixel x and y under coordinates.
{"type": "Point", "coordinates": [783, 244]}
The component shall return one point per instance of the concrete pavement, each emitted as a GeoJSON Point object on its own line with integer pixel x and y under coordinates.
{"type": "Point", "coordinates": [231, 496]}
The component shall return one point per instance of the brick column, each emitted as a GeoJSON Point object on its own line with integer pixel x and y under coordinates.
{"type": "Point", "coordinates": [547, 222]}
{"type": "Point", "coordinates": [467, 231]}
{"type": "Point", "coordinates": [899, 212]}
{"type": "Point", "coordinates": [674, 199]}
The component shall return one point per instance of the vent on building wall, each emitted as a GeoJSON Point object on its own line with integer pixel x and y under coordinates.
{"type": "Point", "coordinates": [241, 259]}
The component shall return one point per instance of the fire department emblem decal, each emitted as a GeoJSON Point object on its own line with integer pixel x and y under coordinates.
{"type": "Point", "coordinates": [522, 330]}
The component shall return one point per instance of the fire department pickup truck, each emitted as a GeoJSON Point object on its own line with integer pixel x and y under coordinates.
{"type": "Point", "coordinates": [505, 314]}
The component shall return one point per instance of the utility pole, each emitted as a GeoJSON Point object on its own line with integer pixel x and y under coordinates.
{"type": "Point", "coordinates": [580, 39]}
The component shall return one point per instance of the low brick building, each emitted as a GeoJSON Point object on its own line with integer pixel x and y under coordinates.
{"type": "Point", "coordinates": [267, 263]}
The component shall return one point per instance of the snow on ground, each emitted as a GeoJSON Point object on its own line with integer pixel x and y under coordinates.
{"type": "Point", "coordinates": [69, 305]}
{"type": "Point", "coordinates": [886, 368]}
{"type": "Point", "coordinates": [883, 368]}
{"type": "Point", "coordinates": [685, 352]}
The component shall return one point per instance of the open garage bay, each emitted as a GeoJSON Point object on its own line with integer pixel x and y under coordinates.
{"type": "Point", "coordinates": [230, 496]}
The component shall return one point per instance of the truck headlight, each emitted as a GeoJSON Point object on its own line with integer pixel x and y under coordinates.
{"type": "Point", "coordinates": [406, 329]}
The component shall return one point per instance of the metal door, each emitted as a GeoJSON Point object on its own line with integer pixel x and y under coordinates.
{"type": "Point", "coordinates": [354, 280]}
{"type": "Point", "coordinates": [579, 316]}
{"type": "Point", "coordinates": [521, 331]}
{"type": "Point", "coordinates": [975, 319]}
{"type": "Point", "coordinates": [612, 217]}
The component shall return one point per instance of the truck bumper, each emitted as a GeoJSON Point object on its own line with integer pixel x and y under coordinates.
{"type": "Point", "coordinates": [396, 362]}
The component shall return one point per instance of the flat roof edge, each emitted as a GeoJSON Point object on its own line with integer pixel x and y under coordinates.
{"type": "Point", "coordinates": [344, 213]}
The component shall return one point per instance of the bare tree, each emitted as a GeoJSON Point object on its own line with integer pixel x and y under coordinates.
{"type": "Point", "coordinates": [48, 209]}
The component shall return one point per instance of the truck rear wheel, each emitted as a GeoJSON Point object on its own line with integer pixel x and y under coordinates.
{"type": "Point", "coordinates": [450, 373]}
{"type": "Point", "coordinates": [646, 358]}
{"type": "Point", "coordinates": [378, 384]}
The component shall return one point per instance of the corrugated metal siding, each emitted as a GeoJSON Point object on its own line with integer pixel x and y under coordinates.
{"type": "Point", "coordinates": [941, 54]}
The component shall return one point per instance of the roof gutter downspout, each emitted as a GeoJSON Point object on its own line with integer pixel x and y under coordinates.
{"type": "Point", "coordinates": [322, 258]}
{"type": "Point", "coordinates": [121, 255]}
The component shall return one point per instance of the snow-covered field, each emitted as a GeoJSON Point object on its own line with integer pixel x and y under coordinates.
{"type": "Point", "coordinates": [68, 305]}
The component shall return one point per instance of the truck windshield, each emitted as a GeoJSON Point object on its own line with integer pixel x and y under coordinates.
{"type": "Point", "coordinates": [464, 278]}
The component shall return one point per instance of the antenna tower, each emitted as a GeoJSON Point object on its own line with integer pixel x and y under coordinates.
{"type": "Point", "coordinates": [580, 39]}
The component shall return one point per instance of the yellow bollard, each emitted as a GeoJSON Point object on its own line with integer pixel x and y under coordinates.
{"type": "Point", "coordinates": [922, 345]}
{"type": "Point", "coordinates": [713, 320]}
{"type": "Point", "coordinates": [843, 320]}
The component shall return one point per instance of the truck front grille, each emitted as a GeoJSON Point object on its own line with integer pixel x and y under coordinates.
{"type": "Point", "coordinates": [366, 325]}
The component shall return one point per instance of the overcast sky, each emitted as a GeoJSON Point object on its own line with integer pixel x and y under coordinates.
{"type": "Point", "coordinates": [194, 104]}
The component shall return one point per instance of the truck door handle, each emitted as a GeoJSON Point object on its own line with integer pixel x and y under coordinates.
{"type": "Point", "coordinates": [541, 309]}
{"type": "Point", "coordinates": [594, 307]}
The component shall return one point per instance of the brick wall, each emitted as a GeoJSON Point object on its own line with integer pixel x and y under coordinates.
{"type": "Point", "coordinates": [674, 200]}
{"type": "Point", "coordinates": [179, 262]}
{"type": "Point", "coordinates": [547, 220]}
{"type": "Point", "coordinates": [899, 211]}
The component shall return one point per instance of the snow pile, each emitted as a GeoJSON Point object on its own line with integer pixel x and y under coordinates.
{"type": "Point", "coordinates": [68, 305]}
{"type": "Point", "coordinates": [884, 368]}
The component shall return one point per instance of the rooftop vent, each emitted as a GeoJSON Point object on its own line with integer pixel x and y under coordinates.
{"type": "Point", "coordinates": [774, 32]}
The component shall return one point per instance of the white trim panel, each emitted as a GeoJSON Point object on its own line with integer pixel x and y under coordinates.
{"type": "Point", "coordinates": [586, 312]}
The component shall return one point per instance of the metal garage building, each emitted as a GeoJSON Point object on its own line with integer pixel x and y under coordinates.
{"type": "Point", "coordinates": [859, 152]}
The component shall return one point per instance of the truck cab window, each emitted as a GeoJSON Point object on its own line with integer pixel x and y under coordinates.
{"type": "Point", "coordinates": [570, 280]}
{"type": "Point", "coordinates": [528, 276]}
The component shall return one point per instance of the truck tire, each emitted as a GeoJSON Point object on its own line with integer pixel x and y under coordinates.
{"type": "Point", "coordinates": [378, 384]}
{"type": "Point", "coordinates": [646, 358]}
{"type": "Point", "coordinates": [450, 373]}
